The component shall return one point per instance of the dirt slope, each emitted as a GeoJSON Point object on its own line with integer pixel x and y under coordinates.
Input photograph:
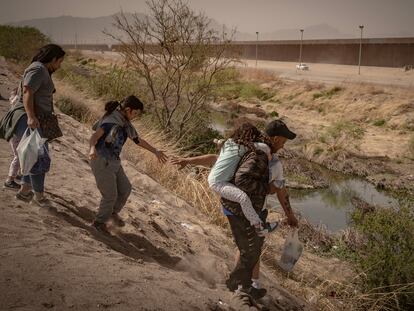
{"type": "Point", "coordinates": [168, 257]}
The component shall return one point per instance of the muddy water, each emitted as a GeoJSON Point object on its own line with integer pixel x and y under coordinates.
{"type": "Point", "coordinates": [330, 206]}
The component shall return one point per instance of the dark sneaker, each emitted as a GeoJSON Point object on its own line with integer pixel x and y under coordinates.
{"type": "Point", "coordinates": [117, 220]}
{"type": "Point", "coordinates": [26, 197]}
{"type": "Point", "coordinates": [11, 184]}
{"type": "Point", "coordinates": [255, 293]}
{"type": "Point", "coordinates": [267, 228]}
{"type": "Point", "coordinates": [232, 284]}
{"type": "Point", "coordinates": [100, 227]}
{"type": "Point", "coordinates": [41, 202]}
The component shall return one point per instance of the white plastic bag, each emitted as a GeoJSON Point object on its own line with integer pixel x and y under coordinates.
{"type": "Point", "coordinates": [28, 150]}
{"type": "Point", "coordinates": [291, 251]}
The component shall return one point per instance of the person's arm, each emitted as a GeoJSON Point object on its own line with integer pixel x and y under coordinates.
{"type": "Point", "coordinates": [93, 141]}
{"type": "Point", "coordinates": [204, 160]}
{"type": "Point", "coordinates": [28, 103]}
{"type": "Point", "coordinates": [283, 198]}
{"type": "Point", "coordinates": [158, 153]}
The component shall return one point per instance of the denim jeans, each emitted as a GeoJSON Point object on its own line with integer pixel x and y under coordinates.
{"type": "Point", "coordinates": [38, 172]}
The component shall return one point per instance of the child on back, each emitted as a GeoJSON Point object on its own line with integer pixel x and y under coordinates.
{"type": "Point", "coordinates": [245, 138]}
{"type": "Point", "coordinates": [10, 182]}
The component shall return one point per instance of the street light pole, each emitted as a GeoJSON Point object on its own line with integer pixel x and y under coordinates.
{"type": "Point", "coordinates": [300, 50]}
{"type": "Point", "coordinates": [360, 50]}
{"type": "Point", "coordinates": [257, 42]}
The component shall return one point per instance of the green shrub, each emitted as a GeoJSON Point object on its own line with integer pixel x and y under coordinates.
{"type": "Point", "coordinates": [110, 83]}
{"type": "Point", "coordinates": [76, 110]}
{"type": "Point", "coordinates": [387, 257]}
{"type": "Point", "coordinates": [20, 43]}
{"type": "Point", "coordinates": [274, 114]}
{"type": "Point", "coordinates": [317, 95]}
{"type": "Point", "coordinates": [345, 128]}
{"type": "Point", "coordinates": [380, 122]}
{"type": "Point", "coordinates": [228, 84]}
{"type": "Point", "coordinates": [411, 146]}
{"type": "Point", "coordinates": [327, 94]}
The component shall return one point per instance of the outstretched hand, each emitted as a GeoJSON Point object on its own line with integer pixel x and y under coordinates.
{"type": "Point", "coordinates": [161, 156]}
{"type": "Point", "coordinates": [181, 162]}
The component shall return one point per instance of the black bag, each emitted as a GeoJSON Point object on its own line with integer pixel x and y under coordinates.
{"type": "Point", "coordinates": [49, 125]}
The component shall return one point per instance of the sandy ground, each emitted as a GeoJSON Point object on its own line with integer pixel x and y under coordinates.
{"type": "Point", "coordinates": [168, 257]}
{"type": "Point", "coordinates": [326, 73]}
{"type": "Point", "coordinates": [333, 74]}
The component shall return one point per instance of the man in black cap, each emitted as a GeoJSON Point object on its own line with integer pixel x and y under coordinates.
{"type": "Point", "coordinates": [253, 176]}
{"type": "Point", "coordinates": [257, 177]}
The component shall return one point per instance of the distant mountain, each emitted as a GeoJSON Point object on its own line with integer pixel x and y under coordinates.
{"type": "Point", "coordinates": [321, 31]}
{"type": "Point", "coordinates": [67, 29]}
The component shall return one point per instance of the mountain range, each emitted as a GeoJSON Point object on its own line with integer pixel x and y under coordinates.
{"type": "Point", "coordinates": [68, 29]}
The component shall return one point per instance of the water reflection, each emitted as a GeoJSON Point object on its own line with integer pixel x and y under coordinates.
{"type": "Point", "coordinates": [332, 206]}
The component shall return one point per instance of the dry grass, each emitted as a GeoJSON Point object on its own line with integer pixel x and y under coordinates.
{"type": "Point", "coordinates": [259, 75]}
{"type": "Point", "coordinates": [193, 188]}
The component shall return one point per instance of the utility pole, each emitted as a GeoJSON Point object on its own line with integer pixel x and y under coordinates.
{"type": "Point", "coordinates": [257, 42]}
{"type": "Point", "coordinates": [360, 49]}
{"type": "Point", "coordinates": [76, 41]}
{"type": "Point", "coordinates": [300, 49]}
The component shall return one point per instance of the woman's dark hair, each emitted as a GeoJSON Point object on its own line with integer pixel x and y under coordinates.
{"type": "Point", "coordinates": [131, 102]}
{"type": "Point", "coordinates": [47, 53]}
{"type": "Point", "coordinates": [247, 134]}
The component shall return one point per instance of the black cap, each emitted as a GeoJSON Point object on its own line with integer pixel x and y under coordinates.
{"type": "Point", "coordinates": [279, 128]}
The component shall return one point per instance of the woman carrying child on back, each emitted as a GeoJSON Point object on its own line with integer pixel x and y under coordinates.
{"type": "Point", "coordinates": [111, 133]}
{"type": "Point", "coordinates": [245, 138]}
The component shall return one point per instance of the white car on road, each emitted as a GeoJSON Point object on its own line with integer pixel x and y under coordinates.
{"type": "Point", "coordinates": [302, 66]}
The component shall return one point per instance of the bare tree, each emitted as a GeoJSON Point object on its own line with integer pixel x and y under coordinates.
{"type": "Point", "coordinates": [178, 54]}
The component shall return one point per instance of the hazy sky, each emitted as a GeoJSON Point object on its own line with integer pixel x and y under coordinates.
{"type": "Point", "coordinates": [379, 16]}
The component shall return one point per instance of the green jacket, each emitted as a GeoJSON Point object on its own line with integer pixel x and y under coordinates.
{"type": "Point", "coordinates": [9, 121]}
{"type": "Point", "coordinates": [252, 176]}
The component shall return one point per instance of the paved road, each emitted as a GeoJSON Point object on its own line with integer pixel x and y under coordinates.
{"type": "Point", "coordinates": [335, 74]}
{"type": "Point", "coordinates": [327, 73]}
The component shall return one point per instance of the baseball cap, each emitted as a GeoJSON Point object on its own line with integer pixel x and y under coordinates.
{"type": "Point", "coordinates": [279, 128]}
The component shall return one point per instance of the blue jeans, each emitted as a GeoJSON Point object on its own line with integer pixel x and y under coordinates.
{"type": "Point", "coordinates": [38, 172]}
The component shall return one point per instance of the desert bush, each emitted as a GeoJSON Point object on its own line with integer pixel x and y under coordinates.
{"type": "Point", "coordinates": [328, 93]}
{"type": "Point", "coordinates": [20, 43]}
{"type": "Point", "coordinates": [76, 110]}
{"type": "Point", "coordinates": [273, 114]}
{"type": "Point", "coordinates": [411, 146]}
{"type": "Point", "coordinates": [379, 122]}
{"type": "Point", "coordinates": [175, 52]}
{"type": "Point", "coordinates": [348, 129]}
{"type": "Point", "coordinates": [234, 89]}
{"type": "Point", "coordinates": [387, 257]}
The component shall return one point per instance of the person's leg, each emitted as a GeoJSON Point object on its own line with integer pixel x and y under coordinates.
{"type": "Point", "coordinates": [38, 184]}
{"type": "Point", "coordinates": [14, 164]}
{"type": "Point", "coordinates": [255, 272]}
{"type": "Point", "coordinates": [26, 186]}
{"type": "Point", "coordinates": [249, 247]}
{"type": "Point", "coordinates": [230, 192]}
{"type": "Point", "coordinates": [124, 190]}
{"type": "Point", "coordinates": [106, 181]}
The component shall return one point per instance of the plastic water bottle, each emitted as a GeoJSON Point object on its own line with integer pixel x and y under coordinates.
{"type": "Point", "coordinates": [291, 251]}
